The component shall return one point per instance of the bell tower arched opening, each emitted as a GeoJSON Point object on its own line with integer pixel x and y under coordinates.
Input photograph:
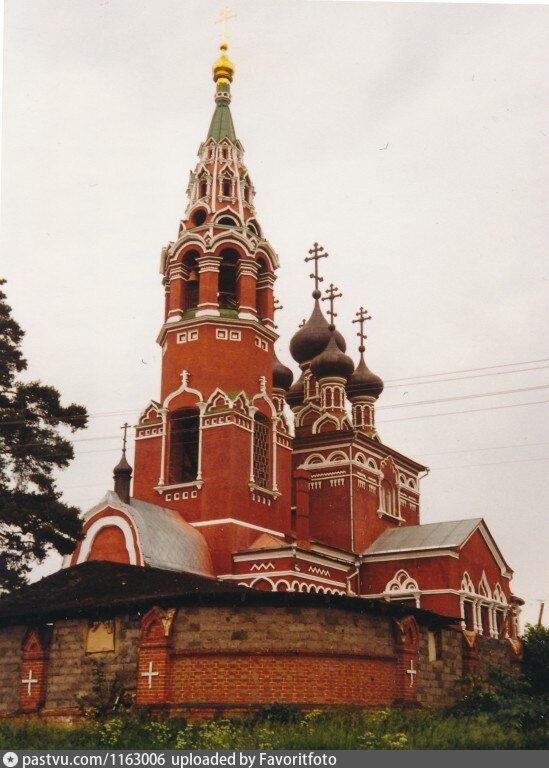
{"type": "Point", "coordinates": [184, 446]}
{"type": "Point", "coordinates": [228, 279]}
{"type": "Point", "coordinates": [192, 280]}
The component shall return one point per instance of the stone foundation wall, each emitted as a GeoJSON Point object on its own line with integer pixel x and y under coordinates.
{"type": "Point", "coordinates": [228, 658]}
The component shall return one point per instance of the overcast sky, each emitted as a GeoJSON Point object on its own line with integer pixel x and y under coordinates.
{"type": "Point", "coordinates": [410, 140]}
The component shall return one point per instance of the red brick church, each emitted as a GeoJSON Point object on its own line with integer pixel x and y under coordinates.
{"type": "Point", "coordinates": [232, 492]}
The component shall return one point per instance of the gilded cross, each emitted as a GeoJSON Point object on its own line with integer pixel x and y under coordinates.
{"type": "Point", "coordinates": [361, 317]}
{"type": "Point", "coordinates": [331, 296]}
{"type": "Point", "coordinates": [125, 428]}
{"type": "Point", "coordinates": [29, 682]}
{"type": "Point", "coordinates": [224, 17]}
{"type": "Point", "coordinates": [150, 674]}
{"type": "Point", "coordinates": [317, 253]}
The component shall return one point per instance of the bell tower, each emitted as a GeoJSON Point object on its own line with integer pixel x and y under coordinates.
{"type": "Point", "coordinates": [216, 445]}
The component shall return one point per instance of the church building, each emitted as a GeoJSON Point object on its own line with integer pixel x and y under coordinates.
{"type": "Point", "coordinates": [247, 484]}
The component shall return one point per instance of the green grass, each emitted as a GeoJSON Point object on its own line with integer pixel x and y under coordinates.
{"type": "Point", "coordinates": [332, 729]}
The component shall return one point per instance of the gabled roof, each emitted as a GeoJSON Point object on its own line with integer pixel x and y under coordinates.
{"type": "Point", "coordinates": [100, 589]}
{"type": "Point", "coordinates": [450, 535]}
{"type": "Point", "coordinates": [103, 585]}
{"type": "Point", "coordinates": [431, 536]}
{"type": "Point", "coordinates": [165, 539]}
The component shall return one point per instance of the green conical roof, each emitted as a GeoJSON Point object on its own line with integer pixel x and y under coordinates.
{"type": "Point", "coordinates": [222, 126]}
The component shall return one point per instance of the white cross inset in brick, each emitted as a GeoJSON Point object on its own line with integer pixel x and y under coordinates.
{"type": "Point", "coordinates": [29, 682]}
{"type": "Point", "coordinates": [150, 674]}
{"type": "Point", "coordinates": [412, 672]}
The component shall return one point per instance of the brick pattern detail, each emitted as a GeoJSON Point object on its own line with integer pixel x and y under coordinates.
{"type": "Point", "coordinates": [34, 669]}
{"type": "Point", "coordinates": [257, 679]}
{"type": "Point", "coordinates": [406, 633]}
{"type": "Point", "coordinates": [154, 666]}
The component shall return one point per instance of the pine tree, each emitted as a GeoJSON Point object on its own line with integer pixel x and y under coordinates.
{"type": "Point", "coordinates": [33, 518]}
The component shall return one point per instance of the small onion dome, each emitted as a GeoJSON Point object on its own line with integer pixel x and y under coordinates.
{"type": "Point", "coordinates": [332, 362]}
{"type": "Point", "coordinates": [122, 468]}
{"type": "Point", "coordinates": [312, 338]}
{"type": "Point", "coordinates": [223, 69]}
{"type": "Point", "coordinates": [296, 394]}
{"type": "Point", "coordinates": [364, 383]}
{"type": "Point", "coordinates": [282, 376]}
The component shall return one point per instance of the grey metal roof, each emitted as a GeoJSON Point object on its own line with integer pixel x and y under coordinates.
{"type": "Point", "coordinates": [431, 536]}
{"type": "Point", "coordinates": [166, 540]}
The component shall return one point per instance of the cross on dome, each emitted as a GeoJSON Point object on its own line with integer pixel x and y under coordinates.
{"type": "Point", "coordinates": [125, 427]}
{"type": "Point", "coordinates": [224, 17]}
{"type": "Point", "coordinates": [317, 252]}
{"type": "Point", "coordinates": [331, 296]}
{"type": "Point", "coordinates": [361, 317]}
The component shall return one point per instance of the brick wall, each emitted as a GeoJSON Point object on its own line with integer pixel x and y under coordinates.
{"type": "Point", "coordinates": [226, 658]}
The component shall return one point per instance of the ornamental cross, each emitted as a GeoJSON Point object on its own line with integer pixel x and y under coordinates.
{"type": "Point", "coordinates": [150, 674]}
{"type": "Point", "coordinates": [125, 428]}
{"type": "Point", "coordinates": [412, 672]}
{"type": "Point", "coordinates": [317, 253]}
{"type": "Point", "coordinates": [29, 682]}
{"type": "Point", "coordinates": [331, 296]}
{"type": "Point", "coordinates": [361, 317]}
{"type": "Point", "coordinates": [276, 306]}
{"type": "Point", "coordinates": [224, 17]}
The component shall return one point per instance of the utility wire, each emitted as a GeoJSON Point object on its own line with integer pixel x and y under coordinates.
{"type": "Point", "coordinates": [469, 370]}
{"type": "Point", "coordinates": [465, 378]}
{"type": "Point", "coordinates": [489, 464]}
{"type": "Point", "coordinates": [473, 450]}
{"type": "Point", "coordinates": [464, 397]}
{"type": "Point", "coordinates": [457, 413]}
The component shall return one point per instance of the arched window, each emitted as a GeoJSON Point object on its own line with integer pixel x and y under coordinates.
{"type": "Point", "coordinates": [261, 450]}
{"type": "Point", "coordinates": [226, 188]}
{"type": "Point", "coordinates": [203, 188]}
{"type": "Point", "coordinates": [193, 280]}
{"type": "Point", "coordinates": [468, 615]}
{"type": "Point", "coordinates": [228, 221]}
{"type": "Point", "coordinates": [184, 443]}
{"type": "Point", "coordinates": [227, 279]}
{"type": "Point", "coordinates": [199, 217]}
{"type": "Point", "coordinates": [387, 497]}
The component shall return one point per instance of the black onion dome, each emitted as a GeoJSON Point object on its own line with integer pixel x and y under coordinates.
{"type": "Point", "coordinates": [282, 375]}
{"type": "Point", "coordinates": [363, 382]}
{"type": "Point", "coordinates": [122, 468]}
{"type": "Point", "coordinates": [296, 394]}
{"type": "Point", "coordinates": [311, 339]}
{"type": "Point", "coordinates": [332, 362]}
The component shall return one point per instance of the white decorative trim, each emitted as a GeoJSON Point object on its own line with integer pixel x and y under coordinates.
{"type": "Point", "coordinates": [106, 522]}
{"type": "Point", "coordinates": [227, 520]}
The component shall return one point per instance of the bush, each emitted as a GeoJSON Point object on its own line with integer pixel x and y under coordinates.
{"type": "Point", "coordinates": [536, 659]}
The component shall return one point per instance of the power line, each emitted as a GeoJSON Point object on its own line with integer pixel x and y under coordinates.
{"type": "Point", "coordinates": [471, 410]}
{"type": "Point", "coordinates": [466, 378]}
{"type": "Point", "coordinates": [469, 370]}
{"type": "Point", "coordinates": [464, 397]}
{"type": "Point", "coordinates": [489, 464]}
{"type": "Point", "coordinates": [473, 450]}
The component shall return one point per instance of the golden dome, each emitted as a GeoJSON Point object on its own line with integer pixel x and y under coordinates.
{"type": "Point", "coordinates": [223, 69]}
